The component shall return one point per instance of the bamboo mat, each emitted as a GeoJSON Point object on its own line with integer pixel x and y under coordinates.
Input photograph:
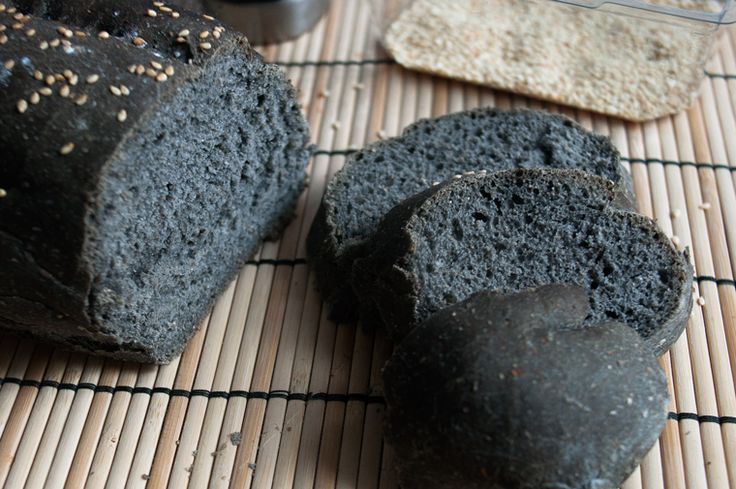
{"type": "Point", "coordinates": [270, 393]}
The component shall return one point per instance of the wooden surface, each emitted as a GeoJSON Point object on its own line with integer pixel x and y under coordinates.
{"type": "Point", "coordinates": [270, 393]}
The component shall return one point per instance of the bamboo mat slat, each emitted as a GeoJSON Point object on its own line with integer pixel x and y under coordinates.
{"type": "Point", "coordinates": [272, 394]}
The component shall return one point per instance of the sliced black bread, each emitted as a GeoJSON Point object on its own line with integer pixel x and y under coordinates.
{"type": "Point", "coordinates": [385, 173]}
{"type": "Point", "coordinates": [504, 391]}
{"type": "Point", "coordinates": [142, 164]}
{"type": "Point", "coordinates": [512, 230]}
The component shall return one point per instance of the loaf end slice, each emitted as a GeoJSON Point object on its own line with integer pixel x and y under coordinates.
{"type": "Point", "coordinates": [519, 229]}
{"type": "Point", "coordinates": [383, 174]}
{"type": "Point", "coordinates": [508, 390]}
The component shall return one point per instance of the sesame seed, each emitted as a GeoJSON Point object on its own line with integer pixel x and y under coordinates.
{"type": "Point", "coordinates": [54, 42]}
{"type": "Point", "coordinates": [482, 172]}
{"type": "Point", "coordinates": [701, 301]}
{"type": "Point", "coordinates": [151, 13]}
{"type": "Point", "coordinates": [59, 77]}
{"type": "Point", "coordinates": [204, 34]}
{"type": "Point", "coordinates": [168, 10]}
{"type": "Point", "coordinates": [66, 43]}
{"type": "Point", "coordinates": [157, 65]}
{"type": "Point", "coordinates": [2, 7]}
{"type": "Point", "coordinates": [161, 77]}
{"type": "Point", "coordinates": [184, 33]}
{"type": "Point", "coordinates": [381, 134]}
{"type": "Point", "coordinates": [65, 32]}
{"type": "Point", "coordinates": [31, 32]}
{"type": "Point", "coordinates": [45, 91]}
{"type": "Point", "coordinates": [208, 17]}
{"type": "Point", "coordinates": [115, 90]}
{"type": "Point", "coordinates": [124, 90]}
{"type": "Point", "coordinates": [434, 184]}
{"type": "Point", "coordinates": [103, 35]}
{"type": "Point", "coordinates": [18, 16]}
{"type": "Point", "coordinates": [704, 206]}
{"type": "Point", "coordinates": [131, 69]}
{"type": "Point", "coordinates": [17, 26]}
{"type": "Point", "coordinates": [675, 214]}
{"type": "Point", "coordinates": [9, 64]}
{"type": "Point", "coordinates": [64, 91]}
{"type": "Point", "coordinates": [12, 10]}
{"type": "Point", "coordinates": [3, 193]}
{"type": "Point", "coordinates": [38, 75]}
{"type": "Point", "coordinates": [676, 241]}
{"type": "Point", "coordinates": [169, 71]}
{"type": "Point", "coordinates": [44, 45]}
{"type": "Point", "coordinates": [3, 38]}
{"type": "Point", "coordinates": [92, 79]}
{"type": "Point", "coordinates": [175, 15]}
{"type": "Point", "coordinates": [80, 34]}
{"type": "Point", "coordinates": [457, 177]}
{"type": "Point", "coordinates": [216, 34]}
{"type": "Point", "coordinates": [205, 46]}
{"type": "Point", "coordinates": [2, 27]}
{"type": "Point", "coordinates": [81, 100]}
{"type": "Point", "coordinates": [68, 74]}
{"type": "Point", "coordinates": [151, 72]}
{"type": "Point", "coordinates": [158, 4]}
{"type": "Point", "coordinates": [358, 86]}
{"type": "Point", "coordinates": [140, 69]}
{"type": "Point", "coordinates": [66, 149]}
{"type": "Point", "coordinates": [22, 106]}
{"type": "Point", "coordinates": [139, 41]}
{"type": "Point", "coordinates": [34, 98]}
{"type": "Point", "coordinates": [50, 80]}
{"type": "Point", "coordinates": [122, 115]}
{"type": "Point", "coordinates": [181, 40]}
{"type": "Point", "coordinates": [324, 93]}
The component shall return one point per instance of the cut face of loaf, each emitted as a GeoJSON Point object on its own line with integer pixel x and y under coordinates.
{"type": "Point", "coordinates": [507, 390]}
{"type": "Point", "coordinates": [133, 200]}
{"type": "Point", "coordinates": [524, 228]}
{"type": "Point", "coordinates": [383, 174]}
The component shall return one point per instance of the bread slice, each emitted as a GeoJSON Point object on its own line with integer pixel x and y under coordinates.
{"type": "Point", "coordinates": [135, 191]}
{"type": "Point", "coordinates": [517, 229]}
{"type": "Point", "coordinates": [507, 390]}
{"type": "Point", "coordinates": [383, 174]}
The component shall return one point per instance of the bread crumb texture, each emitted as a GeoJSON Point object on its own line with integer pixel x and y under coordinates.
{"type": "Point", "coordinates": [601, 60]}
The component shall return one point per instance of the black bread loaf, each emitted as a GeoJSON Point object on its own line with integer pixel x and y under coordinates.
{"type": "Point", "coordinates": [505, 391]}
{"type": "Point", "coordinates": [146, 152]}
{"type": "Point", "coordinates": [517, 229]}
{"type": "Point", "coordinates": [383, 174]}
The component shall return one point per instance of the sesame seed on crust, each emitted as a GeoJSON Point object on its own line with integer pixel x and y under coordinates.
{"type": "Point", "coordinates": [66, 149]}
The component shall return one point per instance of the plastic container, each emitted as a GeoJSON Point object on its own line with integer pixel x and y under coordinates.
{"type": "Point", "coordinates": [633, 59]}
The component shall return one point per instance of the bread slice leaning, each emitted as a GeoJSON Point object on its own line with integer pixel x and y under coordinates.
{"type": "Point", "coordinates": [518, 229]}
{"type": "Point", "coordinates": [383, 174]}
